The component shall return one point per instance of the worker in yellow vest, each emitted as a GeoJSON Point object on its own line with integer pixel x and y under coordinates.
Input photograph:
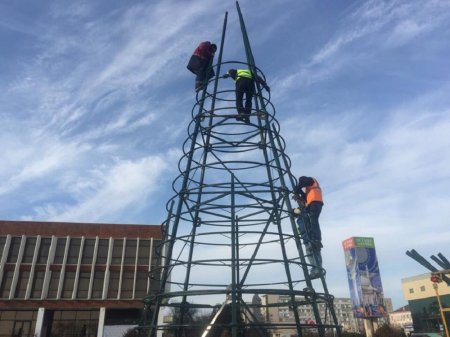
{"type": "Point", "coordinates": [245, 84]}
{"type": "Point", "coordinates": [309, 220]}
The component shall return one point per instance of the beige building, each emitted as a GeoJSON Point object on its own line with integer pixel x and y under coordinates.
{"type": "Point", "coordinates": [420, 287]}
{"type": "Point", "coordinates": [419, 292]}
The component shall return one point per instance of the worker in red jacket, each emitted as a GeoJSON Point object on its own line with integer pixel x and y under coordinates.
{"type": "Point", "coordinates": [200, 62]}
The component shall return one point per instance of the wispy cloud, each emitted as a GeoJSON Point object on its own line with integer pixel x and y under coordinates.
{"type": "Point", "coordinates": [369, 29]}
{"type": "Point", "coordinates": [126, 185]}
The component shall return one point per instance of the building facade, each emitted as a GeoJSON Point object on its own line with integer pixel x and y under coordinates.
{"type": "Point", "coordinates": [73, 279]}
{"type": "Point", "coordinates": [423, 303]}
{"type": "Point", "coordinates": [284, 314]}
{"type": "Point", "coordinates": [401, 318]}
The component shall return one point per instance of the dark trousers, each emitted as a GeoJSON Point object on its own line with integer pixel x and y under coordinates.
{"type": "Point", "coordinates": [314, 211]}
{"type": "Point", "coordinates": [244, 86]}
{"type": "Point", "coordinates": [200, 67]}
{"type": "Point", "coordinates": [202, 75]}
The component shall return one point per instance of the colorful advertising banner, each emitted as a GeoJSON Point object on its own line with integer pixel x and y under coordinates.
{"type": "Point", "coordinates": [364, 279]}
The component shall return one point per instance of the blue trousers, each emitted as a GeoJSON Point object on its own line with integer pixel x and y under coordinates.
{"type": "Point", "coordinates": [308, 224]}
{"type": "Point", "coordinates": [314, 212]}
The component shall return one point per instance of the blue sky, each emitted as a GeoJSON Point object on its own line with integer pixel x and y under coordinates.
{"type": "Point", "coordinates": [96, 100]}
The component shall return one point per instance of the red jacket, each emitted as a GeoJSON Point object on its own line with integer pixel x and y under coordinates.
{"type": "Point", "coordinates": [203, 50]}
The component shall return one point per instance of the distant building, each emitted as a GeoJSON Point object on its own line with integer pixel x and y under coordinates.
{"type": "Point", "coordinates": [284, 314]}
{"type": "Point", "coordinates": [401, 318]}
{"type": "Point", "coordinates": [388, 304]}
{"type": "Point", "coordinates": [418, 291]}
{"type": "Point", "coordinates": [58, 278]}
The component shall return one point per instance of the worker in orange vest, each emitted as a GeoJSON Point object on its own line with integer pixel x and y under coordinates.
{"type": "Point", "coordinates": [308, 191]}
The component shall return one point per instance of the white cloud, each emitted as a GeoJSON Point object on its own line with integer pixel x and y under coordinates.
{"type": "Point", "coordinates": [30, 157]}
{"type": "Point", "coordinates": [366, 32]}
{"type": "Point", "coordinates": [123, 186]}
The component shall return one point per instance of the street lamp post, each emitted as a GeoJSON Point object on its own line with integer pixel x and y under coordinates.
{"type": "Point", "coordinates": [437, 279]}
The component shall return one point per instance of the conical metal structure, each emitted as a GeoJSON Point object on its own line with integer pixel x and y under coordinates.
{"type": "Point", "coordinates": [232, 257]}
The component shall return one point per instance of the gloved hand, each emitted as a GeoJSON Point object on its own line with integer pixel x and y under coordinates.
{"type": "Point", "coordinates": [226, 76]}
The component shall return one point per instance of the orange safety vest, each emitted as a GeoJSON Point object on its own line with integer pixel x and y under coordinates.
{"type": "Point", "coordinates": [313, 193]}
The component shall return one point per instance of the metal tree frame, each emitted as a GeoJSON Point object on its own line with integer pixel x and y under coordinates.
{"type": "Point", "coordinates": [230, 234]}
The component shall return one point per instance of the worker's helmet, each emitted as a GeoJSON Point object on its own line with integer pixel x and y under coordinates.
{"type": "Point", "coordinates": [213, 48]}
{"type": "Point", "coordinates": [232, 72]}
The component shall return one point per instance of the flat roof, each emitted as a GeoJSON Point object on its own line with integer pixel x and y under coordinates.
{"type": "Point", "coordinates": [416, 277]}
{"type": "Point", "coordinates": [44, 228]}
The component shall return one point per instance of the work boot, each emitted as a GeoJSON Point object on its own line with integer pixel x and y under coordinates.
{"type": "Point", "coordinates": [315, 273]}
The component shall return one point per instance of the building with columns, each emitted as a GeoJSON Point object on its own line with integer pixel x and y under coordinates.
{"type": "Point", "coordinates": [74, 279]}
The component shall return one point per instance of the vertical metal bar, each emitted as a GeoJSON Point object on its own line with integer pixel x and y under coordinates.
{"type": "Point", "coordinates": [435, 286]}
{"type": "Point", "coordinates": [186, 281]}
{"type": "Point", "coordinates": [251, 63]}
{"type": "Point", "coordinates": [208, 135]}
{"type": "Point", "coordinates": [164, 241]}
{"type": "Point", "coordinates": [171, 242]}
{"type": "Point", "coordinates": [234, 331]}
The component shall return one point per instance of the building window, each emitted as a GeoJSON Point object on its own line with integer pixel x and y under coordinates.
{"type": "Point", "coordinates": [144, 252]}
{"type": "Point", "coordinates": [60, 249]}
{"type": "Point", "coordinates": [141, 284]}
{"type": "Point", "coordinates": [88, 251]}
{"type": "Point", "coordinates": [130, 251]}
{"type": "Point", "coordinates": [69, 279]}
{"type": "Point", "coordinates": [97, 287]}
{"type": "Point", "coordinates": [17, 323]}
{"type": "Point", "coordinates": [2, 245]}
{"type": "Point", "coordinates": [6, 283]}
{"type": "Point", "coordinates": [53, 286]}
{"type": "Point", "coordinates": [422, 288]}
{"type": "Point", "coordinates": [74, 323]}
{"type": "Point", "coordinates": [127, 285]}
{"type": "Point", "coordinates": [83, 284]}
{"type": "Point", "coordinates": [44, 248]}
{"type": "Point", "coordinates": [74, 251]}
{"type": "Point", "coordinates": [22, 283]}
{"type": "Point", "coordinates": [117, 251]}
{"type": "Point", "coordinates": [28, 253]}
{"type": "Point", "coordinates": [411, 290]}
{"type": "Point", "coordinates": [113, 287]}
{"type": "Point", "coordinates": [36, 289]}
{"type": "Point", "coordinates": [102, 253]}
{"type": "Point", "coordinates": [14, 249]}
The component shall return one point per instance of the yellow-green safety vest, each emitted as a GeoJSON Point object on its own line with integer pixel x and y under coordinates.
{"type": "Point", "coordinates": [243, 73]}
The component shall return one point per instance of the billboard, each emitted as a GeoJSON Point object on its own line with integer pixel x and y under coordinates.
{"type": "Point", "coordinates": [364, 279]}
